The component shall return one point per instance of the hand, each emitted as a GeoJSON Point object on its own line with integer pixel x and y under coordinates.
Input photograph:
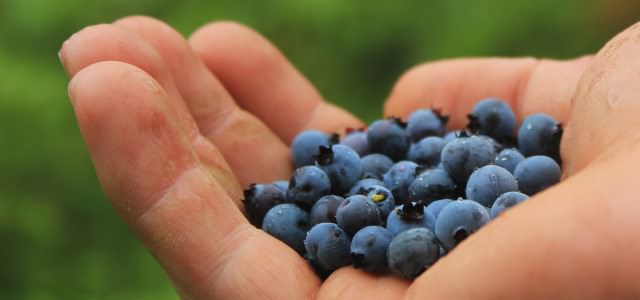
{"type": "Point", "coordinates": [176, 133]}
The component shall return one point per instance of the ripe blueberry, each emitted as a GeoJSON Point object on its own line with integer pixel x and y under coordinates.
{"type": "Point", "coordinates": [412, 252]}
{"type": "Point", "coordinates": [487, 183]}
{"type": "Point", "coordinates": [537, 173]}
{"type": "Point", "coordinates": [458, 220]}
{"type": "Point", "coordinates": [305, 145]}
{"type": "Point", "coordinates": [369, 248]}
{"type": "Point", "coordinates": [389, 137]}
{"type": "Point", "coordinates": [288, 223]}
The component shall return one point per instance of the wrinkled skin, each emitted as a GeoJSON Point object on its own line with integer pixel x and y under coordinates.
{"type": "Point", "coordinates": [176, 128]}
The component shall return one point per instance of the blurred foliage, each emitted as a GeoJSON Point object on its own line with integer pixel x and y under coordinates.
{"type": "Point", "coordinates": [60, 239]}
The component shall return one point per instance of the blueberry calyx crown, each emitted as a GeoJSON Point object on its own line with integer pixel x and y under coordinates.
{"type": "Point", "coordinates": [474, 123]}
{"type": "Point", "coordinates": [460, 235]}
{"type": "Point", "coordinates": [438, 112]}
{"type": "Point", "coordinates": [249, 193]}
{"type": "Point", "coordinates": [358, 260]}
{"type": "Point", "coordinates": [398, 121]}
{"type": "Point", "coordinates": [334, 139]}
{"type": "Point", "coordinates": [411, 211]}
{"type": "Point", "coordinates": [556, 137]}
{"type": "Point", "coordinates": [324, 156]}
{"type": "Point", "coordinates": [557, 132]}
{"type": "Point", "coordinates": [463, 134]}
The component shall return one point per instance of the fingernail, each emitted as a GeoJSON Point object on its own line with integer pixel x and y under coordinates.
{"type": "Point", "coordinates": [62, 57]}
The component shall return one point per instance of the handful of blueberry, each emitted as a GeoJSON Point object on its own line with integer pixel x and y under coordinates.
{"type": "Point", "coordinates": [398, 196]}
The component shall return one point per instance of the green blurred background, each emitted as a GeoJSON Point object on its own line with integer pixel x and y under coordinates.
{"type": "Point", "coordinates": [60, 238]}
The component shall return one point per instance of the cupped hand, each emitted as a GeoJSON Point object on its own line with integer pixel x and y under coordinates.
{"type": "Point", "coordinates": [177, 128]}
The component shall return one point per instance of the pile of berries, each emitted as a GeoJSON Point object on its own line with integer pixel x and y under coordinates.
{"type": "Point", "coordinates": [398, 196]}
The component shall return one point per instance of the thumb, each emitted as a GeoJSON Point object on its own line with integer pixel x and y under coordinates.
{"type": "Point", "coordinates": [578, 239]}
{"type": "Point", "coordinates": [606, 104]}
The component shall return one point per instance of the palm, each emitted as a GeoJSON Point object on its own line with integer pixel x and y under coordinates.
{"type": "Point", "coordinates": [165, 132]}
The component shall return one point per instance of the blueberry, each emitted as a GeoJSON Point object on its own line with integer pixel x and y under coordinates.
{"type": "Point", "coordinates": [369, 248]}
{"type": "Point", "coordinates": [442, 251]}
{"type": "Point", "coordinates": [282, 185]}
{"type": "Point", "coordinates": [383, 198]}
{"type": "Point", "coordinates": [436, 207]}
{"type": "Point", "coordinates": [412, 252]}
{"type": "Point", "coordinates": [328, 246]}
{"type": "Point", "coordinates": [362, 186]}
{"type": "Point", "coordinates": [494, 118]}
{"type": "Point", "coordinates": [357, 140]}
{"type": "Point", "coordinates": [506, 201]}
{"type": "Point", "coordinates": [357, 212]}
{"type": "Point", "coordinates": [259, 199]}
{"type": "Point", "coordinates": [427, 151]}
{"type": "Point", "coordinates": [389, 137]}
{"type": "Point", "coordinates": [431, 185]}
{"type": "Point", "coordinates": [540, 134]}
{"type": "Point", "coordinates": [496, 145]}
{"type": "Point", "coordinates": [464, 154]}
{"type": "Point", "coordinates": [489, 182]}
{"type": "Point", "coordinates": [288, 223]}
{"type": "Point", "coordinates": [324, 211]}
{"type": "Point", "coordinates": [426, 122]}
{"type": "Point", "coordinates": [375, 165]}
{"type": "Point", "coordinates": [410, 215]}
{"type": "Point", "coordinates": [322, 272]}
{"type": "Point", "coordinates": [509, 158]}
{"type": "Point", "coordinates": [305, 146]}
{"type": "Point", "coordinates": [458, 220]}
{"type": "Point", "coordinates": [399, 177]}
{"type": "Point", "coordinates": [537, 173]}
{"type": "Point", "coordinates": [451, 135]}
{"type": "Point", "coordinates": [342, 165]}
{"type": "Point", "coordinates": [307, 185]}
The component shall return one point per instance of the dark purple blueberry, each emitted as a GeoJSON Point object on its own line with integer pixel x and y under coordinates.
{"type": "Point", "coordinates": [307, 185]}
{"type": "Point", "coordinates": [509, 158]}
{"type": "Point", "coordinates": [431, 185]}
{"type": "Point", "coordinates": [458, 220]}
{"type": "Point", "coordinates": [410, 215]}
{"type": "Point", "coordinates": [259, 199]}
{"type": "Point", "coordinates": [369, 249]}
{"type": "Point", "coordinates": [505, 202]}
{"type": "Point", "coordinates": [426, 122]}
{"type": "Point", "coordinates": [493, 118]}
{"type": "Point", "coordinates": [427, 151]}
{"type": "Point", "coordinates": [328, 246]}
{"type": "Point", "coordinates": [412, 252]}
{"type": "Point", "coordinates": [288, 223]}
{"type": "Point", "coordinates": [324, 211]}
{"type": "Point", "coordinates": [487, 183]}
{"type": "Point", "coordinates": [540, 134]}
{"type": "Point", "coordinates": [399, 177]}
{"type": "Point", "coordinates": [464, 154]}
{"type": "Point", "coordinates": [342, 165]}
{"type": "Point", "coordinates": [357, 212]}
{"type": "Point", "coordinates": [357, 140]}
{"type": "Point", "coordinates": [536, 173]}
{"type": "Point", "coordinates": [390, 138]}
{"type": "Point", "coordinates": [305, 145]}
{"type": "Point", "coordinates": [375, 165]}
